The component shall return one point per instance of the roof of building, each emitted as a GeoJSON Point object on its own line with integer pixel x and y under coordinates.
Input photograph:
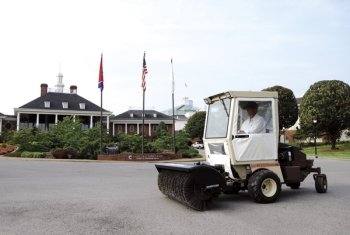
{"type": "Point", "coordinates": [181, 110]}
{"type": "Point", "coordinates": [56, 100]}
{"type": "Point", "coordinates": [137, 115]}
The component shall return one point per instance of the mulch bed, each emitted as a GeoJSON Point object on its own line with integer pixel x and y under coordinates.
{"type": "Point", "coordinates": [7, 149]}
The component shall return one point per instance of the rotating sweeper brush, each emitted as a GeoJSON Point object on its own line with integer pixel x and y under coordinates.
{"type": "Point", "coordinates": [192, 185]}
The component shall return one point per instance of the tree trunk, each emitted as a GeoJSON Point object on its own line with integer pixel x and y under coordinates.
{"type": "Point", "coordinates": [333, 140]}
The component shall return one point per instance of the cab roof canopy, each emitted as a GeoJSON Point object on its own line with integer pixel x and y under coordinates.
{"type": "Point", "coordinates": [242, 94]}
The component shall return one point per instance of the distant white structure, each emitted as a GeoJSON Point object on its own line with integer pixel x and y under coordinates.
{"type": "Point", "coordinates": [59, 86]}
{"type": "Point", "coordinates": [185, 101]}
{"type": "Point", "coordinates": [183, 111]}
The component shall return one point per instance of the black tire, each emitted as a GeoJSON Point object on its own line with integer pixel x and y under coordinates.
{"type": "Point", "coordinates": [294, 185]}
{"type": "Point", "coordinates": [321, 184]}
{"type": "Point", "coordinates": [264, 186]}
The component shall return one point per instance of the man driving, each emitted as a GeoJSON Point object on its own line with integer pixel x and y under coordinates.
{"type": "Point", "coordinates": [254, 123]}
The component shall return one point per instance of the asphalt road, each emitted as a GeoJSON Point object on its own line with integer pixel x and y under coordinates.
{"type": "Point", "coordinates": [56, 197]}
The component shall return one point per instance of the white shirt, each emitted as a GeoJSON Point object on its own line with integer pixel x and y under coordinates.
{"type": "Point", "coordinates": [254, 125]}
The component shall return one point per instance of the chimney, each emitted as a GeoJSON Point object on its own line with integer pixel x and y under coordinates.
{"type": "Point", "coordinates": [43, 90]}
{"type": "Point", "coordinates": [73, 89]}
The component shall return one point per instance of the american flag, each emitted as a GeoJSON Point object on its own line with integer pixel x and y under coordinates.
{"type": "Point", "coordinates": [144, 72]}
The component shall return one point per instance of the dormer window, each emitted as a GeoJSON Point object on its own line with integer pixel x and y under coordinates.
{"type": "Point", "coordinates": [47, 104]}
{"type": "Point", "coordinates": [82, 105]}
{"type": "Point", "coordinates": [131, 115]}
{"type": "Point", "coordinates": [155, 115]}
{"type": "Point", "coordinates": [65, 105]}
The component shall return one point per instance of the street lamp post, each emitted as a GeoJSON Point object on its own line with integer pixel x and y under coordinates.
{"type": "Point", "coordinates": [315, 123]}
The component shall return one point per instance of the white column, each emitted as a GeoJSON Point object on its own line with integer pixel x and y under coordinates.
{"type": "Point", "coordinates": [126, 128]}
{"type": "Point", "coordinates": [0, 126]}
{"type": "Point", "coordinates": [56, 118]}
{"type": "Point", "coordinates": [91, 121]}
{"type": "Point", "coordinates": [113, 126]}
{"type": "Point", "coordinates": [18, 120]}
{"type": "Point", "coordinates": [37, 120]}
{"type": "Point", "coordinates": [138, 128]}
{"type": "Point", "coordinates": [149, 129]}
{"type": "Point", "coordinates": [107, 124]}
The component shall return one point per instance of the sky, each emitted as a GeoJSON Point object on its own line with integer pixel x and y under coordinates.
{"type": "Point", "coordinates": [216, 46]}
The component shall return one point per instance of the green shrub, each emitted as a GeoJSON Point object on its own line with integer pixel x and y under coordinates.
{"type": "Point", "coordinates": [32, 140]}
{"type": "Point", "coordinates": [188, 153]}
{"type": "Point", "coordinates": [27, 154]}
{"type": "Point", "coordinates": [64, 153]}
{"type": "Point", "coordinates": [14, 154]}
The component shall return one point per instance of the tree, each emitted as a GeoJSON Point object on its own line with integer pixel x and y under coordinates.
{"type": "Point", "coordinates": [329, 102]}
{"type": "Point", "coordinates": [68, 134]}
{"type": "Point", "coordinates": [195, 125]}
{"type": "Point", "coordinates": [287, 106]}
{"type": "Point", "coordinates": [161, 130]}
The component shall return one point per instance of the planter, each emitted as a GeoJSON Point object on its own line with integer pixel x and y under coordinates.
{"type": "Point", "coordinates": [138, 157]}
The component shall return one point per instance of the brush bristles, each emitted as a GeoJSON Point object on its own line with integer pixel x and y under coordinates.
{"type": "Point", "coordinates": [180, 186]}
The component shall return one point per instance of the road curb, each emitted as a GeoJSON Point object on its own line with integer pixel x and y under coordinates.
{"type": "Point", "coordinates": [100, 161]}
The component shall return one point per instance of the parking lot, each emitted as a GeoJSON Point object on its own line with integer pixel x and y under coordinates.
{"type": "Point", "coordinates": [93, 197]}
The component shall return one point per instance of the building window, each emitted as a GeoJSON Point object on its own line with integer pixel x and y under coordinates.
{"type": "Point", "coordinates": [154, 128]}
{"type": "Point", "coordinates": [47, 104]}
{"type": "Point", "coordinates": [65, 105]}
{"type": "Point", "coordinates": [132, 128]}
{"type": "Point", "coordinates": [120, 128]}
{"type": "Point", "coordinates": [82, 105]}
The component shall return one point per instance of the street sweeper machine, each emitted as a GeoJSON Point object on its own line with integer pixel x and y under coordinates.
{"type": "Point", "coordinates": [242, 151]}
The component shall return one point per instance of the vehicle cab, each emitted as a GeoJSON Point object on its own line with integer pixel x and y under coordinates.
{"type": "Point", "coordinates": [241, 132]}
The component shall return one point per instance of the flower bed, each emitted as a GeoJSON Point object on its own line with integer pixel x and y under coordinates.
{"type": "Point", "coordinates": [4, 148]}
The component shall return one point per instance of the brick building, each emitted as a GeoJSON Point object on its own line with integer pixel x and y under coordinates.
{"type": "Point", "coordinates": [130, 122]}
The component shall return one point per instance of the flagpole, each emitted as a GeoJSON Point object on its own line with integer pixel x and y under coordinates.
{"type": "Point", "coordinates": [144, 72]}
{"type": "Point", "coordinates": [143, 122]}
{"type": "Point", "coordinates": [101, 125]}
{"type": "Point", "coordinates": [173, 91]}
{"type": "Point", "coordinates": [100, 85]}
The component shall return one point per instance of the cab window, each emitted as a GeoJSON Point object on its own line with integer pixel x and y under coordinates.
{"type": "Point", "coordinates": [254, 117]}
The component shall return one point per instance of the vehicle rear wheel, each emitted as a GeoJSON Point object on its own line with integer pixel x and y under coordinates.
{"type": "Point", "coordinates": [264, 186]}
{"type": "Point", "coordinates": [321, 184]}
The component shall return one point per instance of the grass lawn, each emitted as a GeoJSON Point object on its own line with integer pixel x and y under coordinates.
{"type": "Point", "coordinates": [342, 151]}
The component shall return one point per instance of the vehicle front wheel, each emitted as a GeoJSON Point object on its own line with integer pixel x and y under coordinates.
{"type": "Point", "coordinates": [264, 186]}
